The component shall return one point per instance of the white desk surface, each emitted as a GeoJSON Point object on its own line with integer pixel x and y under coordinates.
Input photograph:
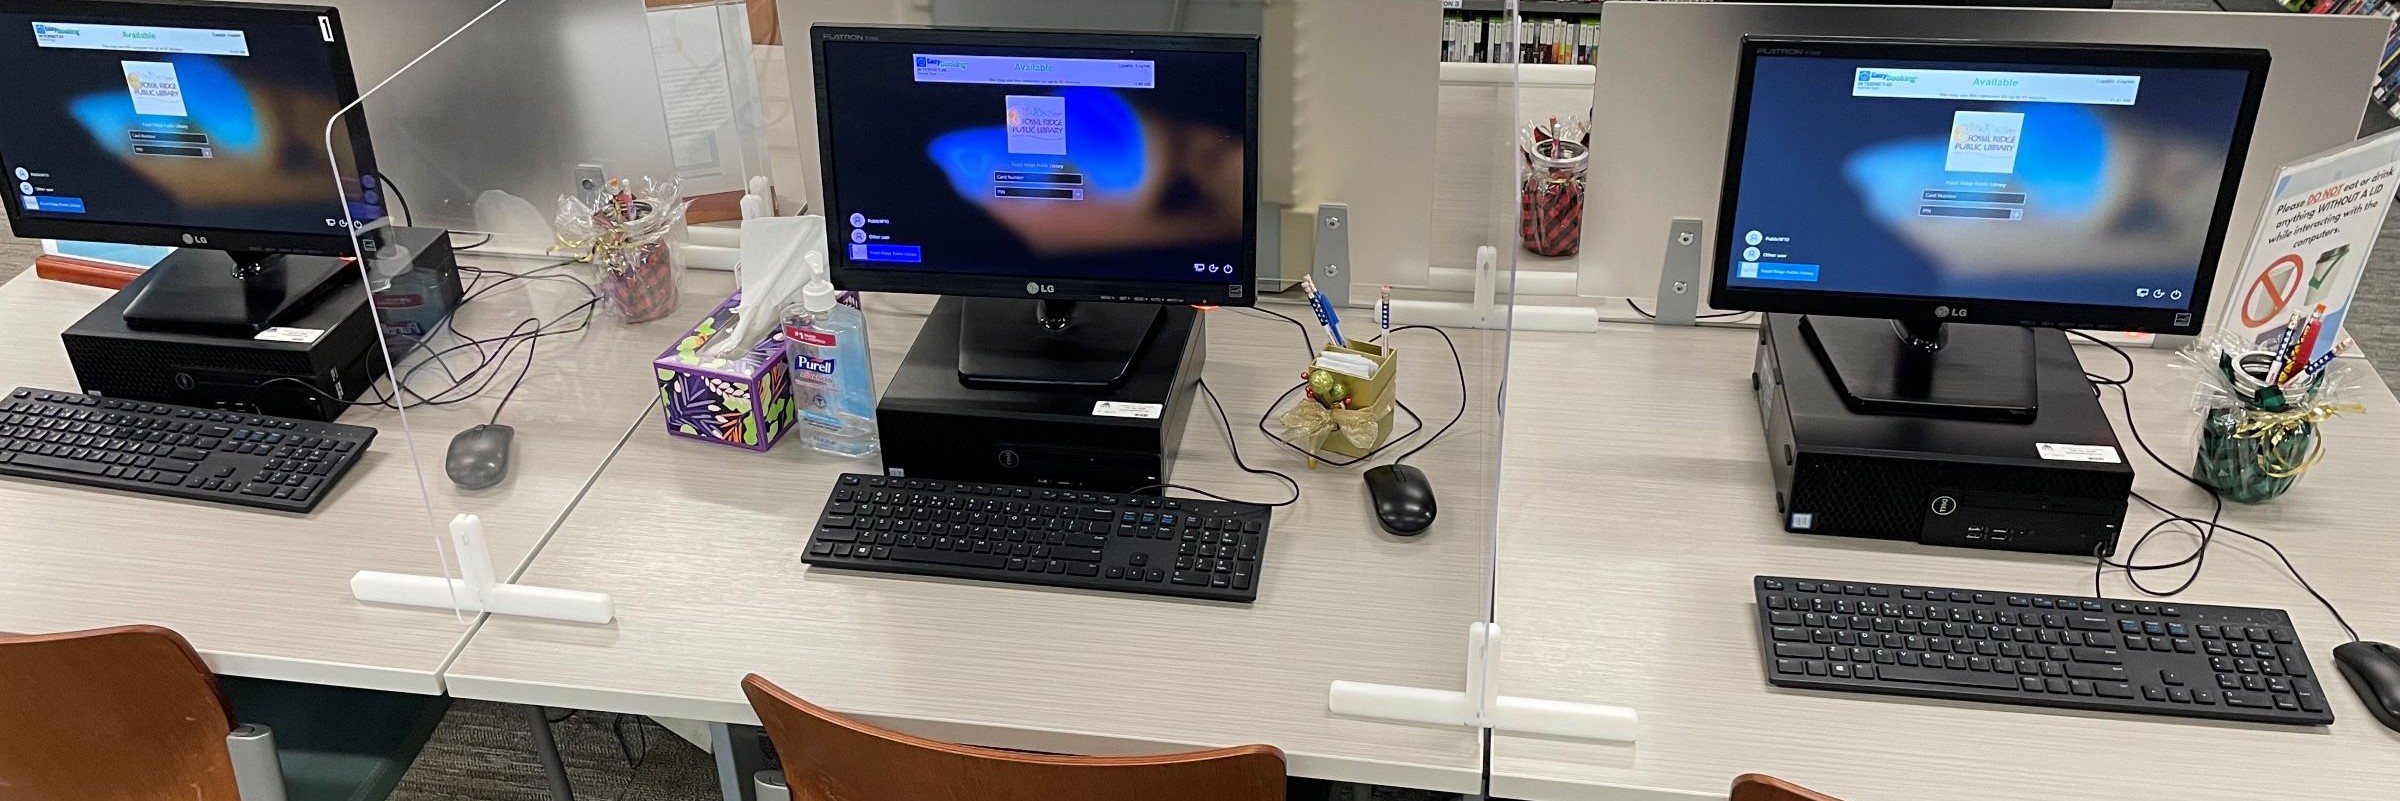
{"type": "Point", "coordinates": [266, 594]}
{"type": "Point", "coordinates": [700, 547]}
{"type": "Point", "coordinates": [1627, 550]}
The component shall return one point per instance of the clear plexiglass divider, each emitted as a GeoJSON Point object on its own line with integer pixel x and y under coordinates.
{"type": "Point", "coordinates": [517, 192]}
{"type": "Point", "coordinates": [1406, 155]}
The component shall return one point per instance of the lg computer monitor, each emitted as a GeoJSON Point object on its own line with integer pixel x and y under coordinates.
{"type": "Point", "coordinates": [1103, 168]}
{"type": "Point", "coordinates": [1947, 182]}
{"type": "Point", "coordinates": [199, 125]}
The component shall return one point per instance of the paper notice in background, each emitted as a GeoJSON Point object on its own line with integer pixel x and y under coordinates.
{"type": "Point", "coordinates": [139, 257]}
{"type": "Point", "coordinates": [687, 44]}
{"type": "Point", "coordinates": [2313, 239]}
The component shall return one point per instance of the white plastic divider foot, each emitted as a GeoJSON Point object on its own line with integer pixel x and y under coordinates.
{"type": "Point", "coordinates": [1494, 711]}
{"type": "Point", "coordinates": [476, 590]}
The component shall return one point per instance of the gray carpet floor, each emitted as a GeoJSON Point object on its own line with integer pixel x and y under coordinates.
{"type": "Point", "coordinates": [484, 752]}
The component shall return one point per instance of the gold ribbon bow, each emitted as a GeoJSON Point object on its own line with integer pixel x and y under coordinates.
{"type": "Point", "coordinates": [2273, 428]}
{"type": "Point", "coordinates": [1308, 423]}
{"type": "Point", "coordinates": [613, 249]}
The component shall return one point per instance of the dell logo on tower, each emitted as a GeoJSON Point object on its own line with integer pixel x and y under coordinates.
{"type": "Point", "coordinates": [1037, 288]}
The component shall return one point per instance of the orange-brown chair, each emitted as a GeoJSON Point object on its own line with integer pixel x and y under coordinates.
{"type": "Point", "coordinates": [1762, 787]}
{"type": "Point", "coordinates": [124, 713]}
{"type": "Point", "coordinates": [828, 757]}
{"type": "Point", "coordinates": [132, 714]}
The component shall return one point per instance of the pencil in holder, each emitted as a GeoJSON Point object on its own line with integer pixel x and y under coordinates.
{"type": "Point", "coordinates": [1342, 414]}
{"type": "Point", "coordinates": [2258, 436]}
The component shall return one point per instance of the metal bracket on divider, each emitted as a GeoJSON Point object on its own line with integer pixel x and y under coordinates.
{"type": "Point", "coordinates": [1487, 284]}
{"type": "Point", "coordinates": [1482, 705]}
{"type": "Point", "coordinates": [1681, 275]}
{"type": "Point", "coordinates": [1331, 267]}
{"type": "Point", "coordinates": [475, 590]}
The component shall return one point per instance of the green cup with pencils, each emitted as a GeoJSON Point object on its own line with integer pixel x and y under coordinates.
{"type": "Point", "coordinates": [2261, 422]}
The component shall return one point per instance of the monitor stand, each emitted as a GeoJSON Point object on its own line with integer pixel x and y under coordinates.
{"type": "Point", "coordinates": [1050, 343]}
{"type": "Point", "coordinates": [236, 292]}
{"type": "Point", "coordinates": [1973, 372]}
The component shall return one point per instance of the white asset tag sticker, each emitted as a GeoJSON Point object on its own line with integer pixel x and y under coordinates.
{"type": "Point", "coordinates": [300, 335]}
{"type": "Point", "coordinates": [1145, 411]}
{"type": "Point", "coordinates": [2078, 453]}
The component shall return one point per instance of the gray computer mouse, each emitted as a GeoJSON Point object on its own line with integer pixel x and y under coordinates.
{"type": "Point", "coordinates": [479, 456]}
{"type": "Point", "coordinates": [2373, 669]}
{"type": "Point", "coordinates": [1403, 499]}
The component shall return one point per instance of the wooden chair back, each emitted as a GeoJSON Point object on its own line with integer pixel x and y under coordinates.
{"type": "Point", "coordinates": [127, 714]}
{"type": "Point", "coordinates": [1762, 787]}
{"type": "Point", "coordinates": [828, 757]}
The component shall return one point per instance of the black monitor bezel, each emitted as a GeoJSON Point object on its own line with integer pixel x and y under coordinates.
{"type": "Point", "coordinates": [1238, 290]}
{"type": "Point", "coordinates": [334, 242]}
{"type": "Point", "coordinates": [1723, 295]}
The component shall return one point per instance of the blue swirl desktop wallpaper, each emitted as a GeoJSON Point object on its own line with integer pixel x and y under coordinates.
{"type": "Point", "coordinates": [1038, 162]}
{"type": "Point", "coordinates": [2084, 202]}
{"type": "Point", "coordinates": [226, 140]}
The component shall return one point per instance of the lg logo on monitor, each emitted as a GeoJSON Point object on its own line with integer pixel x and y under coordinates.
{"type": "Point", "coordinates": [194, 239]}
{"type": "Point", "coordinates": [1039, 288]}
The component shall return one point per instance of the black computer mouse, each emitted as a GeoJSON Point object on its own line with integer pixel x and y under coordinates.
{"type": "Point", "coordinates": [479, 456]}
{"type": "Point", "coordinates": [1403, 499]}
{"type": "Point", "coordinates": [2373, 669]}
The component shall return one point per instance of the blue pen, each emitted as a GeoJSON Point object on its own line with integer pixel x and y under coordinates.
{"type": "Point", "coordinates": [1324, 309]}
{"type": "Point", "coordinates": [1383, 313]}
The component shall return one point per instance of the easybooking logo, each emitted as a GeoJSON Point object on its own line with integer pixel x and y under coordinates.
{"type": "Point", "coordinates": [1998, 86]}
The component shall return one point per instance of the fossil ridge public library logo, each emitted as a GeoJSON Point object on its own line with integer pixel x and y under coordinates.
{"type": "Point", "coordinates": [1984, 141]}
{"type": "Point", "coordinates": [155, 88]}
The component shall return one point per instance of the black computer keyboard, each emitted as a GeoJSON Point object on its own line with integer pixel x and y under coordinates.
{"type": "Point", "coordinates": [2218, 662]}
{"type": "Point", "coordinates": [175, 451]}
{"type": "Point", "coordinates": [1210, 550]}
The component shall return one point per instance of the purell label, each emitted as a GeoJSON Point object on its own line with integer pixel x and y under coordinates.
{"type": "Point", "coordinates": [815, 365]}
{"type": "Point", "coordinates": [805, 336]}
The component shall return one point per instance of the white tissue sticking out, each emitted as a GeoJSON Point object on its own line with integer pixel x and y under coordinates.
{"type": "Point", "coordinates": [771, 273]}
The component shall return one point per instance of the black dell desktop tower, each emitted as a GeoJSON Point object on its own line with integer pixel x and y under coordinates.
{"type": "Point", "coordinates": [2056, 483]}
{"type": "Point", "coordinates": [307, 368]}
{"type": "Point", "coordinates": [1119, 438]}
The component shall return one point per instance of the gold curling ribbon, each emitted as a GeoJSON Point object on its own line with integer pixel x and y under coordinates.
{"type": "Point", "coordinates": [2274, 427]}
{"type": "Point", "coordinates": [1307, 424]}
{"type": "Point", "coordinates": [613, 250]}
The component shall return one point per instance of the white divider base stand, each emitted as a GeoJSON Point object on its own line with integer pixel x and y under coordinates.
{"type": "Point", "coordinates": [1492, 710]}
{"type": "Point", "coordinates": [475, 590]}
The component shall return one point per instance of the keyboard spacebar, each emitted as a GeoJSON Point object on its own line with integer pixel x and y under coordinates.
{"type": "Point", "coordinates": [60, 465]}
{"type": "Point", "coordinates": [1955, 678]}
{"type": "Point", "coordinates": [977, 560]}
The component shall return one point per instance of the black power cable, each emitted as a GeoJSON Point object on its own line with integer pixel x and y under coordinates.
{"type": "Point", "coordinates": [2207, 529]}
{"type": "Point", "coordinates": [486, 369]}
{"type": "Point", "coordinates": [1714, 316]}
{"type": "Point", "coordinates": [1236, 449]}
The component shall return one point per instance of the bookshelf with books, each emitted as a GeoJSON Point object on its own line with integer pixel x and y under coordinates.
{"type": "Point", "coordinates": [1531, 7]}
{"type": "Point", "coordinates": [1483, 38]}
